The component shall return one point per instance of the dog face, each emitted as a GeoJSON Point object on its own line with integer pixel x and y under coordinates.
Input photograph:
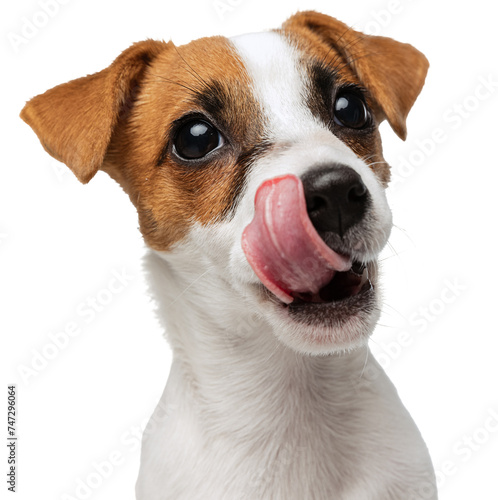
{"type": "Point", "coordinates": [258, 155]}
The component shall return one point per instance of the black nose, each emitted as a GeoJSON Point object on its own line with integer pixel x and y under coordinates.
{"type": "Point", "coordinates": [336, 198]}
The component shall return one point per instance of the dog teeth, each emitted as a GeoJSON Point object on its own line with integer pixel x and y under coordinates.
{"type": "Point", "coordinates": [364, 276]}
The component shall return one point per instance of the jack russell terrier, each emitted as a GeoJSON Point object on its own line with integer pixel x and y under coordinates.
{"type": "Point", "coordinates": [255, 164]}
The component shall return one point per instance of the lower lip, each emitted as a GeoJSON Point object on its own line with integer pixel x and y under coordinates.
{"type": "Point", "coordinates": [339, 311]}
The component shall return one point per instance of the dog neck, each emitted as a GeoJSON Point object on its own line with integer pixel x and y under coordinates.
{"type": "Point", "coordinates": [268, 416]}
{"type": "Point", "coordinates": [230, 362]}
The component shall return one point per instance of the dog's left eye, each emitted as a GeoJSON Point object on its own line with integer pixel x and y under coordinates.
{"type": "Point", "coordinates": [195, 139]}
{"type": "Point", "coordinates": [350, 111]}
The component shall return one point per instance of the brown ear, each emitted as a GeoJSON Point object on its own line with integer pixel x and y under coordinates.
{"type": "Point", "coordinates": [393, 72]}
{"type": "Point", "coordinates": [74, 121]}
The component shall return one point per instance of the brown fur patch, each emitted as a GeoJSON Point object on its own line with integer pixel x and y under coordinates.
{"type": "Point", "coordinates": [390, 73]}
{"type": "Point", "coordinates": [173, 194]}
{"type": "Point", "coordinates": [121, 120]}
{"type": "Point", "coordinates": [393, 72]}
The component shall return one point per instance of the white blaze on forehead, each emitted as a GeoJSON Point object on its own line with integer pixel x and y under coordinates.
{"type": "Point", "coordinates": [279, 82]}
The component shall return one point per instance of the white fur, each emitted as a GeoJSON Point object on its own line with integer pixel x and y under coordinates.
{"type": "Point", "coordinates": [273, 65]}
{"type": "Point", "coordinates": [247, 412]}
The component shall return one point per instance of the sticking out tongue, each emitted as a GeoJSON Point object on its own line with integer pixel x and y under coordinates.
{"type": "Point", "coordinates": [283, 247]}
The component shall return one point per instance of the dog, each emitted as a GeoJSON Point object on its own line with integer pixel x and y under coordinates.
{"type": "Point", "coordinates": [255, 164]}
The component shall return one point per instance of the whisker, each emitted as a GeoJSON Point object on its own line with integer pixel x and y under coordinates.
{"type": "Point", "coordinates": [405, 233]}
{"type": "Point", "coordinates": [375, 163]}
{"type": "Point", "coordinates": [192, 70]}
{"type": "Point", "coordinates": [375, 342]}
{"type": "Point", "coordinates": [350, 61]}
{"type": "Point", "coordinates": [176, 83]}
{"type": "Point", "coordinates": [393, 250]}
{"type": "Point", "coordinates": [393, 309]}
{"type": "Point", "coordinates": [369, 157]}
{"type": "Point", "coordinates": [340, 51]}
{"type": "Point", "coordinates": [383, 325]}
{"type": "Point", "coordinates": [365, 363]}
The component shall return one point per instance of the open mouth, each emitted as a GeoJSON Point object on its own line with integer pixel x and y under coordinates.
{"type": "Point", "coordinates": [289, 256]}
{"type": "Point", "coordinates": [342, 286]}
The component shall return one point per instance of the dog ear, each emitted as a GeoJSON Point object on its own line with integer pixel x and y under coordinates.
{"type": "Point", "coordinates": [75, 121]}
{"type": "Point", "coordinates": [393, 72]}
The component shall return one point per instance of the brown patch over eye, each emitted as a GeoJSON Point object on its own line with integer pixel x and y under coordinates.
{"type": "Point", "coordinates": [186, 146]}
{"type": "Point", "coordinates": [338, 99]}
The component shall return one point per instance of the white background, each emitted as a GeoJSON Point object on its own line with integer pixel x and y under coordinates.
{"type": "Point", "coordinates": [61, 242]}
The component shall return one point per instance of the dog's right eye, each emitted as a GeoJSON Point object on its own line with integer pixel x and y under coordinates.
{"type": "Point", "coordinates": [195, 139]}
{"type": "Point", "coordinates": [351, 111]}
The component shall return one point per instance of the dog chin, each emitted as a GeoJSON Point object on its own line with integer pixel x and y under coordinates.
{"type": "Point", "coordinates": [323, 334]}
{"type": "Point", "coordinates": [325, 327]}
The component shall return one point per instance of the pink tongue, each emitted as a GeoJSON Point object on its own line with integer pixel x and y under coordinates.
{"type": "Point", "coordinates": [283, 247]}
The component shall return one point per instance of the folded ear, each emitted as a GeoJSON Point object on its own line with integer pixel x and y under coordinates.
{"type": "Point", "coordinates": [393, 72]}
{"type": "Point", "coordinates": [74, 121]}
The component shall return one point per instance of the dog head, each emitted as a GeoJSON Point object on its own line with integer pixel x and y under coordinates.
{"type": "Point", "coordinates": [258, 155]}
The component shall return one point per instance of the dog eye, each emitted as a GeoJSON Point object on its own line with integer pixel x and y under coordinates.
{"type": "Point", "coordinates": [195, 139]}
{"type": "Point", "coordinates": [350, 111]}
